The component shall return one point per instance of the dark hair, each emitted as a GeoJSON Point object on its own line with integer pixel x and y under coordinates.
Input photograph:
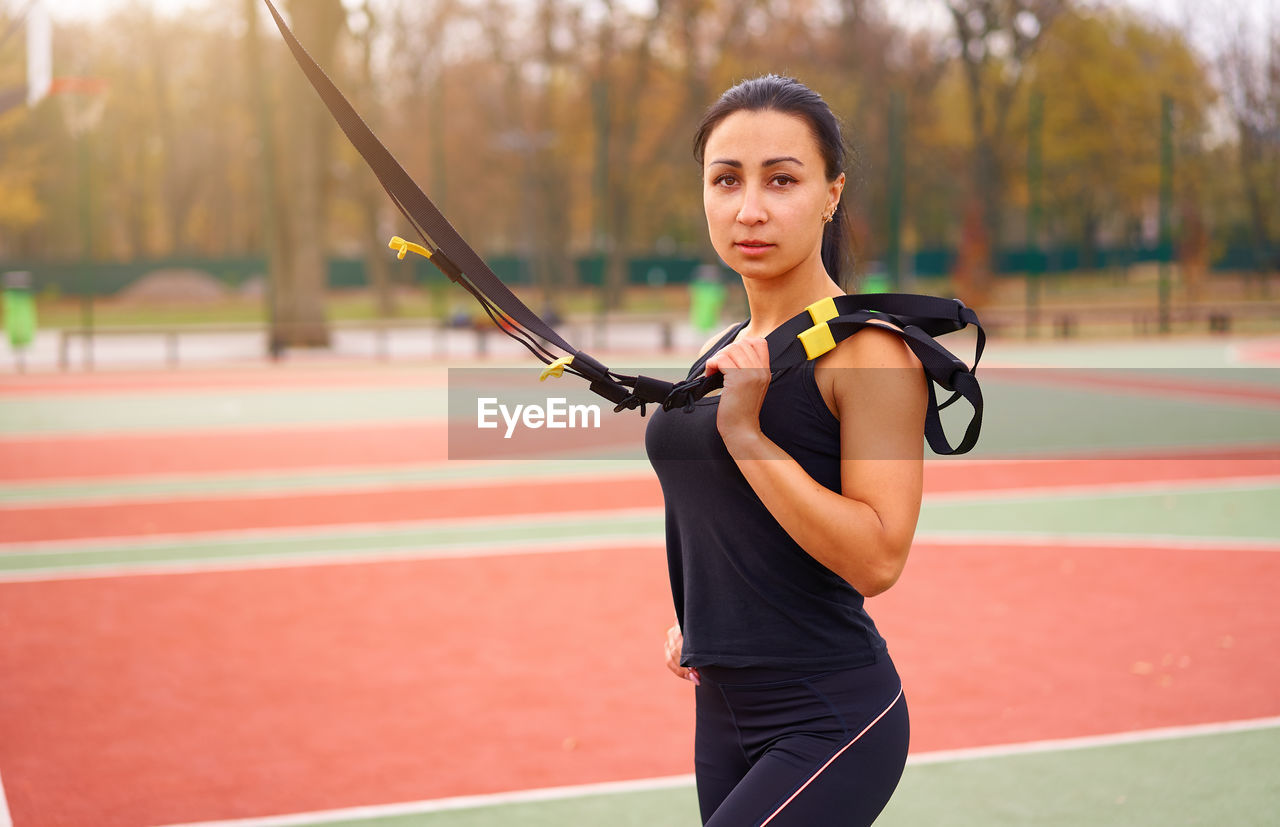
{"type": "Point", "coordinates": [791, 97]}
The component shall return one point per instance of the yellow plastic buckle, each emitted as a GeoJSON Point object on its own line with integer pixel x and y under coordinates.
{"type": "Point", "coordinates": [403, 247]}
{"type": "Point", "coordinates": [823, 310]}
{"type": "Point", "coordinates": [817, 340]}
{"type": "Point", "coordinates": [556, 368]}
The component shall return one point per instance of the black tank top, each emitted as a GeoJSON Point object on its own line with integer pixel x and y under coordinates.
{"type": "Point", "coordinates": [745, 593]}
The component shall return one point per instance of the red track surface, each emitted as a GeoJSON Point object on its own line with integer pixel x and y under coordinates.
{"type": "Point", "coordinates": [268, 377]}
{"type": "Point", "coordinates": [151, 699]}
{"type": "Point", "coordinates": [409, 502]}
{"type": "Point", "coordinates": [402, 504]}
{"type": "Point", "coordinates": [282, 449]}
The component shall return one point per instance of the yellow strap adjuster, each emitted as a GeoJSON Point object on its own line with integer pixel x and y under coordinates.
{"type": "Point", "coordinates": [556, 368]}
{"type": "Point", "coordinates": [817, 340]}
{"type": "Point", "coordinates": [823, 310]}
{"type": "Point", "coordinates": [402, 247]}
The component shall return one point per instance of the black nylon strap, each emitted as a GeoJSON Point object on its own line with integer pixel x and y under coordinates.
{"type": "Point", "coordinates": [911, 318]}
{"type": "Point", "coordinates": [452, 254]}
{"type": "Point", "coordinates": [916, 319]}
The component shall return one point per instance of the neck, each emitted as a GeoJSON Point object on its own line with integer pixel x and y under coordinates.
{"type": "Point", "coordinates": [773, 301]}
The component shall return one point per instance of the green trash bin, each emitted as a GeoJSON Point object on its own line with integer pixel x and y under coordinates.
{"type": "Point", "coordinates": [876, 283]}
{"type": "Point", "coordinates": [706, 299]}
{"type": "Point", "coordinates": [19, 309]}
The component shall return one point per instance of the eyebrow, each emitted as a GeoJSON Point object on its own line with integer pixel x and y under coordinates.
{"type": "Point", "coordinates": [769, 163]}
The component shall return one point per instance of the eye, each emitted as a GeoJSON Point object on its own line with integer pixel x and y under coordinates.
{"type": "Point", "coordinates": [728, 179]}
{"type": "Point", "coordinates": [783, 180]}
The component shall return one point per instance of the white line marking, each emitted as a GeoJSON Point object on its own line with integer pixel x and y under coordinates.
{"type": "Point", "coordinates": [371, 484]}
{"type": "Point", "coordinates": [681, 781]}
{"type": "Point", "coordinates": [1139, 488]}
{"type": "Point", "coordinates": [609, 543]}
{"type": "Point", "coordinates": [1096, 541]}
{"type": "Point", "coordinates": [466, 802]}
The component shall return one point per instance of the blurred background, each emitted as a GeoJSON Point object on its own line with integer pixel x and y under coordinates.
{"type": "Point", "coordinates": [266, 583]}
{"type": "Point", "coordinates": [1070, 167]}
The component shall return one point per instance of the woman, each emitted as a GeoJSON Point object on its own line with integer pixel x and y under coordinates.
{"type": "Point", "coordinates": [788, 498]}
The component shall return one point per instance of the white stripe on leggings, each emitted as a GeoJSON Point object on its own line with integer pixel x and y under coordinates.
{"type": "Point", "coordinates": [832, 759]}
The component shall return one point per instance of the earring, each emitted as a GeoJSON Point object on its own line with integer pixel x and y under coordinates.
{"type": "Point", "coordinates": [827, 218]}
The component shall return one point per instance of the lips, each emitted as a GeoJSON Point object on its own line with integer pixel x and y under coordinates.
{"type": "Point", "coordinates": [753, 246]}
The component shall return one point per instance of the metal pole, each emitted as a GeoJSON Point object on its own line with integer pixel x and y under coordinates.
{"type": "Point", "coordinates": [86, 247]}
{"type": "Point", "coordinates": [600, 185]}
{"type": "Point", "coordinates": [1166, 205]}
{"type": "Point", "coordinates": [893, 250]}
{"type": "Point", "coordinates": [1035, 265]}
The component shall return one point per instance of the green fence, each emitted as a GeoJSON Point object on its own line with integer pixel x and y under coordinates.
{"type": "Point", "coordinates": [108, 278]}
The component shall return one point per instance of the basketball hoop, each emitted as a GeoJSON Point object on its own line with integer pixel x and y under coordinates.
{"type": "Point", "coordinates": [82, 100]}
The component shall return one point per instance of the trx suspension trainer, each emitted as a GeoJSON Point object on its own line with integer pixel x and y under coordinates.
{"type": "Point", "coordinates": [824, 324]}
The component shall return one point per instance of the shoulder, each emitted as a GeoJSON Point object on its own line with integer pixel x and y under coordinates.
{"type": "Point", "coordinates": [872, 368]}
{"type": "Point", "coordinates": [876, 346]}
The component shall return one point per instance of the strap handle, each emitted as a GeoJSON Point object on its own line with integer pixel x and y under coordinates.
{"type": "Point", "coordinates": [914, 319]}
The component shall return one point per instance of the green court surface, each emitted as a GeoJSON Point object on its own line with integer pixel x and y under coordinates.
{"type": "Point", "coordinates": [1243, 511]}
{"type": "Point", "coordinates": [174, 486]}
{"type": "Point", "coordinates": [1212, 779]}
{"type": "Point", "coordinates": [1047, 414]}
{"type": "Point", "coordinates": [227, 408]}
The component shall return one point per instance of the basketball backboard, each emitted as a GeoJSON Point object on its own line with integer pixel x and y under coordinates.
{"type": "Point", "coordinates": [39, 52]}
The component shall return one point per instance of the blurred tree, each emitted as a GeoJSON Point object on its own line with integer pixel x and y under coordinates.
{"type": "Point", "coordinates": [1103, 74]}
{"type": "Point", "coordinates": [622, 69]}
{"type": "Point", "coordinates": [20, 161]}
{"type": "Point", "coordinates": [1251, 89]}
{"type": "Point", "coordinates": [995, 40]}
{"type": "Point", "coordinates": [547, 129]}
{"type": "Point", "coordinates": [304, 183]}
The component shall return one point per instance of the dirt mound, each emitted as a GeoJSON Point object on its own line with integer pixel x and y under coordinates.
{"type": "Point", "coordinates": [175, 286]}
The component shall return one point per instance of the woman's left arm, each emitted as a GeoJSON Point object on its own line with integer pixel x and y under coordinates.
{"type": "Point", "coordinates": [864, 533]}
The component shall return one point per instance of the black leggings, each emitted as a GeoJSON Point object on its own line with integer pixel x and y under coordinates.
{"type": "Point", "coordinates": [796, 749]}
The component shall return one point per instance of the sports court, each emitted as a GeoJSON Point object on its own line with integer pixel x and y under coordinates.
{"type": "Point", "coordinates": [255, 594]}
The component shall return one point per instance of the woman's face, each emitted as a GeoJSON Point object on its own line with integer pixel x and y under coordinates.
{"type": "Point", "coordinates": [765, 192]}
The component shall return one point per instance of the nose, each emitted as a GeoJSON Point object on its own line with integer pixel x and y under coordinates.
{"type": "Point", "coordinates": [751, 211]}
